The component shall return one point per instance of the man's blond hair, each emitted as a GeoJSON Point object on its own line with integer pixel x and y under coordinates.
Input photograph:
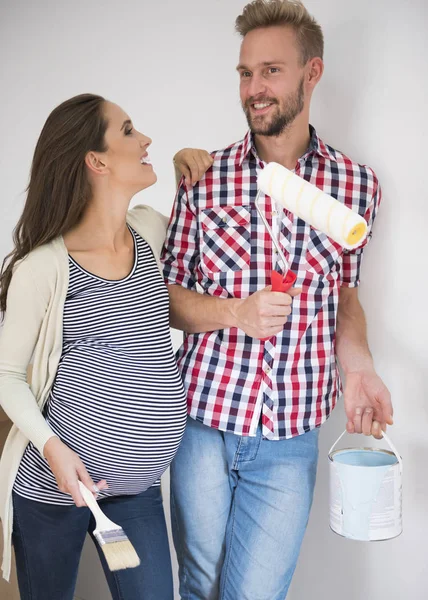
{"type": "Point", "coordinates": [270, 13]}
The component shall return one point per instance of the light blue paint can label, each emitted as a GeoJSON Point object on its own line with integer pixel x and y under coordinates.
{"type": "Point", "coordinates": [365, 494]}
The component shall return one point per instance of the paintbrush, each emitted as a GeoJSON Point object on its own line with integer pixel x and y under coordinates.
{"type": "Point", "coordinates": [118, 550]}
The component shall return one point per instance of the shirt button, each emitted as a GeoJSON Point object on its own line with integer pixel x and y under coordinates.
{"type": "Point", "coordinates": [224, 219]}
{"type": "Point", "coordinates": [274, 213]}
{"type": "Point", "coordinates": [268, 369]}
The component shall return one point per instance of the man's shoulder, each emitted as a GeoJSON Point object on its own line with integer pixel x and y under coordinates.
{"type": "Point", "coordinates": [226, 161]}
{"type": "Point", "coordinates": [350, 170]}
{"type": "Point", "coordinates": [231, 152]}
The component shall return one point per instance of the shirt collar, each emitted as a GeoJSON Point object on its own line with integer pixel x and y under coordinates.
{"type": "Point", "coordinates": [316, 146]}
{"type": "Point", "coordinates": [246, 146]}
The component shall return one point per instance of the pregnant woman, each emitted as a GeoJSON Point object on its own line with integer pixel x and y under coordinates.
{"type": "Point", "coordinates": [84, 301]}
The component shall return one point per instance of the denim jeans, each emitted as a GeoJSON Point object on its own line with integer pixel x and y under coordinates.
{"type": "Point", "coordinates": [240, 506]}
{"type": "Point", "coordinates": [48, 541]}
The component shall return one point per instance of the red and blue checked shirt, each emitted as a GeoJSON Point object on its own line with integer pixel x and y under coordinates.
{"type": "Point", "coordinates": [217, 245]}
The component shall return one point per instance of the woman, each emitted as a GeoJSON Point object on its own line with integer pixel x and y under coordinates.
{"type": "Point", "coordinates": [84, 300]}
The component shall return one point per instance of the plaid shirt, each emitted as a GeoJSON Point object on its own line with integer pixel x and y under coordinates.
{"type": "Point", "coordinates": [217, 245]}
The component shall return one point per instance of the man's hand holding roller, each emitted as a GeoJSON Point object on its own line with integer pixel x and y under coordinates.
{"type": "Point", "coordinates": [261, 315]}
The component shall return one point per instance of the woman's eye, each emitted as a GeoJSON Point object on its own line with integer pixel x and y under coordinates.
{"type": "Point", "coordinates": [129, 131]}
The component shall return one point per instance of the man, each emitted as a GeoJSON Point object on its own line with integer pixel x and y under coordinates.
{"type": "Point", "coordinates": [242, 481]}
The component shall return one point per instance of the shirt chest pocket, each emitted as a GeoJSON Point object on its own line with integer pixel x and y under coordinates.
{"type": "Point", "coordinates": [226, 238]}
{"type": "Point", "coordinates": [322, 254]}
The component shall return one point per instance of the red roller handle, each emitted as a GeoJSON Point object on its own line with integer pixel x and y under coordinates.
{"type": "Point", "coordinates": [281, 284]}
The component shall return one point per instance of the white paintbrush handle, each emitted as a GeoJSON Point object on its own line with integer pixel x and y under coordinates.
{"type": "Point", "coordinates": [103, 522]}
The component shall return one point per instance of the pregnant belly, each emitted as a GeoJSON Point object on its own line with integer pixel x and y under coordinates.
{"type": "Point", "coordinates": [125, 427]}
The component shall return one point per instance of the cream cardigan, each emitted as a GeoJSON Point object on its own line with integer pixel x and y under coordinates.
{"type": "Point", "coordinates": [32, 331]}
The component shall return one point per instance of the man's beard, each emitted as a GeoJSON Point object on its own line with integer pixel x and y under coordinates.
{"type": "Point", "coordinates": [280, 120]}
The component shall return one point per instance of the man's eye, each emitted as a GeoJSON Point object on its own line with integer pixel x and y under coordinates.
{"type": "Point", "coordinates": [245, 74]}
{"type": "Point", "coordinates": [129, 131]}
{"type": "Point", "coordinates": [273, 69]}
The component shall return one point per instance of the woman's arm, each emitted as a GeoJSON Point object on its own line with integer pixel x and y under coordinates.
{"type": "Point", "coordinates": [26, 309]}
{"type": "Point", "coordinates": [22, 322]}
{"type": "Point", "coordinates": [192, 163]}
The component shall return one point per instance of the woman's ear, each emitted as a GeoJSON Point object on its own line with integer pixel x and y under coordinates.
{"type": "Point", "coordinates": [95, 163]}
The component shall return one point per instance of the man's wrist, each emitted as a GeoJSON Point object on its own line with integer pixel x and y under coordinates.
{"type": "Point", "coordinates": [230, 312]}
{"type": "Point", "coordinates": [357, 364]}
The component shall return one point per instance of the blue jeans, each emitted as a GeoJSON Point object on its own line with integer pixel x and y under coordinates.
{"type": "Point", "coordinates": [48, 541]}
{"type": "Point", "coordinates": [240, 506]}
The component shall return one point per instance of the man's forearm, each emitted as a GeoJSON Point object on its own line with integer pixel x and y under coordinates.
{"type": "Point", "coordinates": [352, 348]}
{"type": "Point", "coordinates": [196, 313]}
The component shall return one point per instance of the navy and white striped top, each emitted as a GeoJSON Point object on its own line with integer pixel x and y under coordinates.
{"type": "Point", "coordinates": [118, 400]}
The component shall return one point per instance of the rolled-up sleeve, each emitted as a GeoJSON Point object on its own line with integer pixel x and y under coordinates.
{"type": "Point", "coordinates": [180, 254]}
{"type": "Point", "coordinates": [352, 259]}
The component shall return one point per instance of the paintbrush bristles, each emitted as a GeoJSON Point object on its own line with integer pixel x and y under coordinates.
{"type": "Point", "coordinates": [120, 555]}
{"type": "Point", "coordinates": [118, 550]}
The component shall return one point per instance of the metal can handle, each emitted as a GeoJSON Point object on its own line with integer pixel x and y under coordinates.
{"type": "Point", "coordinates": [386, 438]}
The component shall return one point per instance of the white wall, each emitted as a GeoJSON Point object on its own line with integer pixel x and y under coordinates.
{"type": "Point", "coordinates": [171, 66]}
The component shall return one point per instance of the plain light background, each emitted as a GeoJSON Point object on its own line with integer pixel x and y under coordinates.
{"type": "Point", "coordinates": [171, 65]}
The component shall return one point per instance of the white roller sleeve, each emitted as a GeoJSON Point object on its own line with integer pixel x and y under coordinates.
{"type": "Point", "coordinates": [309, 203]}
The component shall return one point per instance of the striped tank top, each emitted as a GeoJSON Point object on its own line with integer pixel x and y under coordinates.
{"type": "Point", "coordinates": [118, 399]}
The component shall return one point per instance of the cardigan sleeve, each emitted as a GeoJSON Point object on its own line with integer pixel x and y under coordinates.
{"type": "Point", "coordinates": [26, 308]}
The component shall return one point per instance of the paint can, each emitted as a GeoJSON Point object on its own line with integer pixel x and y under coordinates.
{"type": "Point", "coordinates": [366, 492]}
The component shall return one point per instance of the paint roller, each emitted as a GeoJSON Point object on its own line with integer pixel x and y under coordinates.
{"type": "Point", "coordinates": [321, 211]}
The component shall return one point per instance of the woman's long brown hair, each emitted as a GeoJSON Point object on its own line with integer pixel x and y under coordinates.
{"type": "Point", "coordinates": [59, 187]}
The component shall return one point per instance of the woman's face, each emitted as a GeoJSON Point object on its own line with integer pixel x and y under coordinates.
{"type": "Point", "coordinates": [126, 158]}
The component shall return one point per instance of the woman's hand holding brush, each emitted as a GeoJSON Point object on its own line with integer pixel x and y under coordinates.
{"type": "Point", "coordinates": [69, 469]}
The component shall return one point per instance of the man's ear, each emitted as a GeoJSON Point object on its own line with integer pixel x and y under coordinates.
{"type": "Point", "coordinates": [315, 71]}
